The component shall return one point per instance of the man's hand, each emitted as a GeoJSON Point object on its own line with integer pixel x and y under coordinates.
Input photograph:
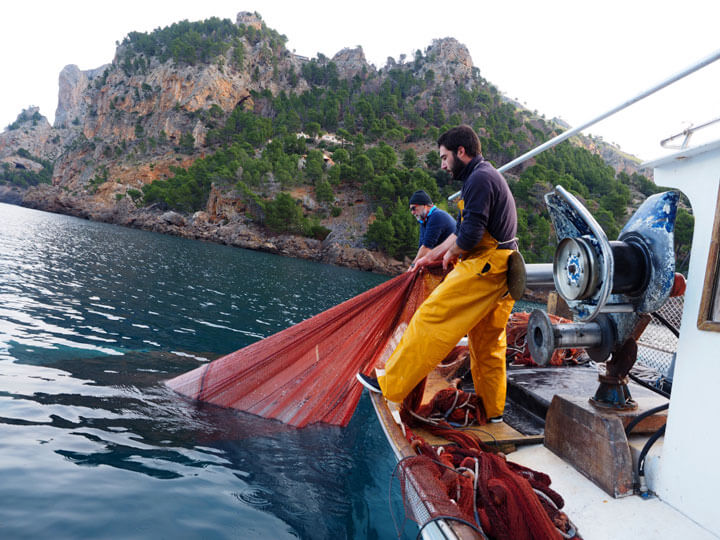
{"type": "Point", "coordinates": [434, 254]}
{"type": "Point", "coordinates": [422, 261]}
{"type": "Point", "coordinates": [424, 250]}
{"type": "Point", "coordinates": [413, 266]}
{"type": "Point", "coordinates": [451, 256]}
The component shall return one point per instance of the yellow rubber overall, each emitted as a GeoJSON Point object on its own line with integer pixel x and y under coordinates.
{"type": "Point", "coordinates": [473, 299]}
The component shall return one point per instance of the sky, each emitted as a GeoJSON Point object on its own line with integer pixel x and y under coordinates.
{"type": "Point", "coordinates": [571, 59]}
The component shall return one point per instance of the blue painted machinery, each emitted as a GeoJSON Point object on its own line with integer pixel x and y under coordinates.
{"type": "Point", "coordinates": [610, 286]}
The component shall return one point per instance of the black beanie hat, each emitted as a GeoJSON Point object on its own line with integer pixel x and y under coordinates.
{"type": "Point", "coordinates": [420, 197]}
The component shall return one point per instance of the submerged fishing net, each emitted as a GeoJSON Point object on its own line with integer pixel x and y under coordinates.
{"type": "Point", "coordinates": [306, 373]}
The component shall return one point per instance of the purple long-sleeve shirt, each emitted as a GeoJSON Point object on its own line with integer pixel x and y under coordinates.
{"type": "Point", "coordinates": [488, 205]}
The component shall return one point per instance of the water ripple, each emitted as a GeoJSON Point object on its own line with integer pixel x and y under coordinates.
{"type": "Point", "coordinates": [93, 318]}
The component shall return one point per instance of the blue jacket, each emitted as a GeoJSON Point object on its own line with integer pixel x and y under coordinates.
{"type": "Point", "coordinates": [435, 228]}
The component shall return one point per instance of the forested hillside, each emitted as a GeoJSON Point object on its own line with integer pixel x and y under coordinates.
{"type": "Point", "coordinates": [334, 127]}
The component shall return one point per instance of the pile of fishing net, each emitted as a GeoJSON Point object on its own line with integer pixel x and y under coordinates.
{"type": "Point", "coordinates": [469, 481]}
{"type": "Point", "coordinates": [473, 485]}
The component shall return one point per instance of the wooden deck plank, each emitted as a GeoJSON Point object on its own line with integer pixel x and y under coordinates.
{"type": "Point", "coordinates": [500, 433]}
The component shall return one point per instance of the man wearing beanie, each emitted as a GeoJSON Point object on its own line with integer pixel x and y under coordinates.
{"type": "Point", "coordinates": [473, 299]}
{"type": "Point", "coordinates": [435, 224]}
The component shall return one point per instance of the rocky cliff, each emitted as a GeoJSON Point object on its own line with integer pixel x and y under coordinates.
{"type": "Point", "coordinates": [32, 132]}
{"type": "Point", "coordinates": [125, 124]}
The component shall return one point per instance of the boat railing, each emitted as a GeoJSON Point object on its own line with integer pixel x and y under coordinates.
{"type": "Point", "coordinates": [687, 133]}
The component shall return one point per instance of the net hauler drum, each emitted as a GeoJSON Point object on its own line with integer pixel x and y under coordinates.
{"type": "Point", "coordinates": [609, 286]}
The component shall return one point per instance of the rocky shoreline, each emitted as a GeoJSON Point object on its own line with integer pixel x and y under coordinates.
{"type": "Point", "coordinates": [199, 226]}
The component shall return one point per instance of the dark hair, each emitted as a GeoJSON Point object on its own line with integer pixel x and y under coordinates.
{"type": "Point", "coordinates": [459, 136]}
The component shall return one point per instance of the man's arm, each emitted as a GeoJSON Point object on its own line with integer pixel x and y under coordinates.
{"type": "Point", "coordinates": [424, 250]}
{"type": "Point", "coordinates": [452, 254]}
{"type": "Point", "coordinates": [437, 253]}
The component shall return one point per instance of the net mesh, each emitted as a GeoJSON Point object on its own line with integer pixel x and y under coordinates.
{"type": "Point", "coordinates": [481, 488]}
{"type": "Point", "coordinates": [306, 373]}
{"type": "Point", "coordinates": [470, 481]}
{"type": "Point", "coordinates": [658, 344]}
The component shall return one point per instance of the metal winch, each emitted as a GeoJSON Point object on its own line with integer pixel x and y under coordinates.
{"type": "Point", "coordinates": [610, 286]}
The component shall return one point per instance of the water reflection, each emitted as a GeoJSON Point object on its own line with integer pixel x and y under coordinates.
{"type": "Point", "coordinates": [92, 319]}
{"type": "Point", "coordinates": [137, 425]}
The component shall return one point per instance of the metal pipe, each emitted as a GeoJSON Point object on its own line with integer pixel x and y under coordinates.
{"type": "Point", "coordinates": [577, 335]}
{"type": "Point", "coordinates": [617, 308]}
{"type": "Point", "coordinates": [687, 132]}
{"type": "Point", "coordinates": [543, 337]}
{"type": "Point", "coordinates": [563, 136]}
{"type": "Point", "coordinates": [539, 276]}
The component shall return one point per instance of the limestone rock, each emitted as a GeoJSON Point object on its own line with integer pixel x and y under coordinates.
{"type": "Point", "coordinates": [451, 62]}
{"type": "Point", "coordinates": [173, 218]}
{"type": "Point", "coordinates": [32, 132]}
{"type": "Point", "coordinates": [72, 106]}
{"type": "Point", "coordinates": [250, 19]}
{"type": "Point", "coordinates": [19, 162]}
{"type": "Point", "coordinates": [11, 194]}
{"type": "Point", "coordinates": [351, 62]}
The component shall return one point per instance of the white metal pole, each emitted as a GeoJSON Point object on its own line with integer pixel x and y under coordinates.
{"type": "Point", "coordinates": [569, 133]}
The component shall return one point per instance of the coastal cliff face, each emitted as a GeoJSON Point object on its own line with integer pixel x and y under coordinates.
{"type": "Point", "coordinates": [125, 124]}
{"type": "Point", "coordinates": [103, 111]}
{"type": "Point", "coordinates": [112, 108]}
{"type": "Point", "coordinates": [118, 128]}
{"type": "Point", "coordinates": [32, 132]}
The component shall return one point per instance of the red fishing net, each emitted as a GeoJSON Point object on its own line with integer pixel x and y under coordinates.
{"type": "Point", "coordinates": [466, 480]}
{"type": "Point", "coordinates": [306, 373]}
{"type": "Point", "coordinates": [470, 483]}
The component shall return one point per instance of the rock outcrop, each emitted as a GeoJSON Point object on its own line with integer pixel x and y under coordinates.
{"type": "Point", "coordinates": [450, 60]}
{"type": "Point", "coordinates": [74, 99]}
{"type": "Point", "coordinates": [31, 132]}
{"type": "Point", "coordinates": [351, 63]}
{"type": "Point", "coordinates": [125, 124]}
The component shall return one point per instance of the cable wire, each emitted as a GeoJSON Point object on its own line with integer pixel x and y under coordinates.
{"type": "Point", "coordinates": [639, 418]}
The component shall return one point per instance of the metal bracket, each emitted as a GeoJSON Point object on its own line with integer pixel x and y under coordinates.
{"type": "Point", "coordinates": [572, 220]}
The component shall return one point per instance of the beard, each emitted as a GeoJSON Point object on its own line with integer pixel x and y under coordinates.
{"type": "Point", "coordinates": [457, 167]}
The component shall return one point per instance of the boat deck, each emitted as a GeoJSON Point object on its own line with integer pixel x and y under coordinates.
{"type": "Point", "coordinates": [597, 515]}
{"type": "Point", "coordinates": [531, 390]}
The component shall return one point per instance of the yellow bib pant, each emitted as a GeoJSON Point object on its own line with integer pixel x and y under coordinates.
{"type": "Point", "coordinates": [473, 299]}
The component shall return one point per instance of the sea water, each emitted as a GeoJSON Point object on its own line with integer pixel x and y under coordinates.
{"type": "Point", "coordinates": [93, 319]}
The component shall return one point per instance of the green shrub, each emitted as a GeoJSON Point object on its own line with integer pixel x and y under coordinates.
{"type": "Point", "coordinates": [284, 214]}
{"type": "Point", "coordinates": [135, 195]}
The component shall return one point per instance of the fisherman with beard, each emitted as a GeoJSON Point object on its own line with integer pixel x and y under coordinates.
{"type": "Point", "coordinates": [435, 224]}
{"type": "Point", "coordinates": [473, 299]}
